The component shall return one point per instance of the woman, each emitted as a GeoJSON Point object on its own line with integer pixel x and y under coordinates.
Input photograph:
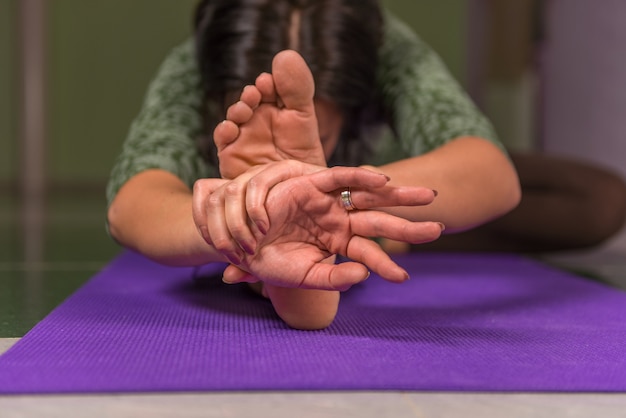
{"type": "Point", "coordinates": [369, 72]}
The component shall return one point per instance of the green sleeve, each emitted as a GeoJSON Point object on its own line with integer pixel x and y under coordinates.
{"type": "Point", "coordinates": [163, 134]}
{"type": "Point", "coordinates": [428, 108]}
{"type": "Point", "coordinates": [427, 105]}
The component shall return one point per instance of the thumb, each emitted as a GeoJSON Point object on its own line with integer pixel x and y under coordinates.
{"type": "Point", "coordinates": [234, 275]}
{"type": "Point", "coordinates": [336, 276]}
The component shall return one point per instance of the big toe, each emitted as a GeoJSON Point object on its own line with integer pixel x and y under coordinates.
{"type": "Point", "coordinates": [293, 80]}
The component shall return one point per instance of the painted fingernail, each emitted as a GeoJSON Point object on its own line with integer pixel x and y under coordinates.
{"type": "Point", "coordinates": [249, 247]}
{"type": "Point", "coordinates": [204, 233]}
{"type": "Point", "coordinates": [262, 227]}
{"type": "Point", "coordinates": [234, 258]}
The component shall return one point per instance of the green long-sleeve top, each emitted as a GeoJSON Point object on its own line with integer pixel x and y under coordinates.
{"type": "Point", "coordinates": [427, 106]}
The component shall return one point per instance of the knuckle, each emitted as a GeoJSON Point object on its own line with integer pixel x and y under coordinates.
{"type": "Point", "coordinates": [223, 244]}
{"type": "Point", "coordinates": [232, 189]}
{"type": "Point", "coordinates": [199, 186]}
{"type": "Point", "coordinates": [408, 231]}
{"type": "Point", "coordinates": [256, 211]}
{"type": "Point", "coordinates": [253, 183]}
{"type": "Point", "coordinates": [238, 229]}
{"type": "Point", "coordinates": [214, 201]}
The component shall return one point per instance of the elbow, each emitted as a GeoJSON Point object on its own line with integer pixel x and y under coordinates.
{"type": "Point", "coordinates": [512, 194]}
{"type": "Point", "coordinates": [117, 226]}
{"type": "Point", "coordinates": [113, 222]}
{"type": "Point", "coordinates": [505, 195]}
{"type": "Point", "coordinates": [504, 182]}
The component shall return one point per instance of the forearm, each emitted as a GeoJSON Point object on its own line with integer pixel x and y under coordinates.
{"type": "Point", "coordinates": [475, 182]}
{"type": "Point", "coordinates": [152, 214]}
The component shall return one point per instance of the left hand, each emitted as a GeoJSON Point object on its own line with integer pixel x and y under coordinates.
{"type": "Point", "coordinates": [240, 200]}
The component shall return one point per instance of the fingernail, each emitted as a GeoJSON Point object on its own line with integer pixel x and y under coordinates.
{"type": "Point", "coordinates": [443, 227]}
{"type": "Point", "coordinates": [249, 247]}
{"type": "Point", "coordinates": [387, 177]}
{"type": "Point", "coordinates": [435, 192]}
{"type": "Point", "coordinates": [204, 233]}
{"type": "Point", "coordinates": [234, 258]}
{"type": "Point", "coordinates": [262, 227]}
{"type": "Point", "coordinates": [226, 281]}
{"type": "Point", "coordinates": [406, 275]}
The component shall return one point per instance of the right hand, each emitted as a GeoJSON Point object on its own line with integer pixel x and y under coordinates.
{"type": "Point", "coordinates": [307, 224]}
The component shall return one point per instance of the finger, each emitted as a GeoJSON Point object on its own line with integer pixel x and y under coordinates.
{"type": "Point", "coordinates": [384, 225]}
{"type": "Point", "coordinates": [218, 229]}
{"type": "Point", "coordinates": [391, 196]}
{"type": "Point", "coordinates": [335, 276]}
{"type": "Point", "coordinates": [236, 216]}
{"type": "Point", "coordinates": [260, 185]}
{"type": "Point", "coordinates": [369, 253]}
{"type": "Point", "coordinates": [233, 274]}
{"type": "Point", "coordinates": [201, 191]}
{"type": "Point", "coordinates": [322, 276]}
{"type": "Point", "coordinates": [340, 177]}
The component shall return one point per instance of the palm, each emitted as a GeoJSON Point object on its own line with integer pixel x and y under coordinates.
{"type": "Point", "coordinates": [304, 232]}
{"type": "Point", "coordinates": [308, 224]}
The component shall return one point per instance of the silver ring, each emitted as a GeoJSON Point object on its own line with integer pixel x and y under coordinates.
{"type": "Point", "coordinates": [346, 200]}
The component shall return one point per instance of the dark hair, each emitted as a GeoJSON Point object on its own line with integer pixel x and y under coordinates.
{"type": "Point", "coordinates": [236, 40]}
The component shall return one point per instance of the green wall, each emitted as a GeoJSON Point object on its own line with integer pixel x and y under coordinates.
{"type": "Point", "coordinates": [103, 53]}
{"type": "Point", "coordinates": [102, 56]}
{"type": "Point", "coordinates": [441, 23]}
{"type": "Point", "coordinates": [8, 99]}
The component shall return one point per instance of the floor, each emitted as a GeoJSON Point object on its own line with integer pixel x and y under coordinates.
{"type": "Point", "coordinates": [44, 259]}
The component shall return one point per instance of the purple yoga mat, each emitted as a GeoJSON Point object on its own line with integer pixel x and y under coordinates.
{"type": "Point", "coordinates": [463, 323]}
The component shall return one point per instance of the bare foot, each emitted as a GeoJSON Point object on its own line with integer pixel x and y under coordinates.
{"type": "Point", "coordinates": [274, 120]}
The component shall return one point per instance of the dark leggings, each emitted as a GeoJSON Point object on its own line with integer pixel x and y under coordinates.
{"type": "Point", "coordinates": [565, 205]}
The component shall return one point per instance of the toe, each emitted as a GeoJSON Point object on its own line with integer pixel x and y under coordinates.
{"type": "Point", "coordinates": [293, 80]}
{"type": "Point", "coordinates": [225, 133]}
{"type": "Point", "coordinates": [239, 113]}
{"type": "Point", "coordinates": [265, 84]}
{"type": "Point", "coordinates": [251, 96]}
